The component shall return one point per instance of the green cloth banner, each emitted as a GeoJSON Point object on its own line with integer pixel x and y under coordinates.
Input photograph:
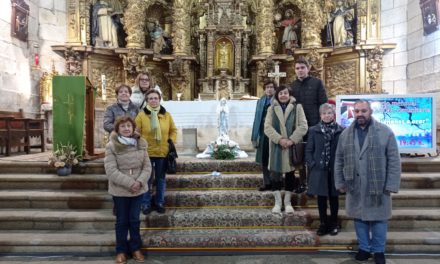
{"type": "Point", "coordinates": [69, 94]}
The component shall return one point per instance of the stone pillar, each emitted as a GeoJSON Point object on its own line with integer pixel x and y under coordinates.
{"type": "Point", "coordinates": [210, 57]}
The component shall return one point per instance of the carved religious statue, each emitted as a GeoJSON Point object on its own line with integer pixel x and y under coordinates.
{"type": "Point", "coordinates": [104, 30]}
{"type": "Point", "coordinates": [157, 38]}
{"type": "Point", "coordinates": [342, 18]}
{"type": "Point", "coordinates": [290, 38]}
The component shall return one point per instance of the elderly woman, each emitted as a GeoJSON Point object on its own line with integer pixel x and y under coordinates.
{"type": "Point", "coordinates": [122, 107]}
{"type": "Point", "coordinates": [157, 127]}
{"type": "Point", "coordinates": [320, 158]}
{"type": "Point", "coordinates": [142, 85]}
{"type": "Point", "coordinates": [128, 168]}
{"type": "Point", "coordinates": [285, 126]}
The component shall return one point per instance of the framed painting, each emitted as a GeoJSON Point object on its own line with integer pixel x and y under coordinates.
{"type": "Point", "coordinates": [19, 19]}
{"type": "Point", "coordinates": [430, 15]}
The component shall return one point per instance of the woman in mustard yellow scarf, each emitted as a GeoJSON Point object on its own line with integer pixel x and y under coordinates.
{"type": "Point", "coordinates": [156, 126]}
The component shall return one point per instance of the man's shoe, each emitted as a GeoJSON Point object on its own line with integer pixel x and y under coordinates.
{"type": "Point", "coordinates": [138, 256]}
{"type": "Point", "coordinates": [322, 230]}
{"type": "Point", "coordinates": [265, 188]}
{"type": "Point", "coordinates": [160, 209]}
{"type": "Point", "coordinates": [146, 210]}
{"type": "Point", "coordinates": [333, 231]}
{"type": "Point", "coordinates": [362, 255]}
{"type": "Point", "coordinates": [379, 258]}
{"type": "Point", "coordinates": [120, 258]}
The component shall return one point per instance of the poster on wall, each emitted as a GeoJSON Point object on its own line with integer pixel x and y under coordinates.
{"type": "Point", "coordinates": [411, 117]}
{"type": "Point", "coordinates": [430, 15]}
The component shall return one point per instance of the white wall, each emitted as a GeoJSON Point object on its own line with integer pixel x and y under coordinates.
{"type": "Point", "coordinates": [18, 81]}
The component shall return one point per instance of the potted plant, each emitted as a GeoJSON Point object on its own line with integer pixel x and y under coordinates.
{"type": "Point", "coordinates": [63, 158]}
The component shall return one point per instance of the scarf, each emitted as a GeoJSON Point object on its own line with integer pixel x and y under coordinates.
{"type": "Point", "coordinates": [155, 125]}
{"type": "Point", "coordinates": [127, 141]}
{"type": "Point", "coordinates": [375, 173]}
{"type": "Point", "coordinates": [328, 129]}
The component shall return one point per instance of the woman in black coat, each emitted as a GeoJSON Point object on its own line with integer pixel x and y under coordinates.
{"type": "Point", "coordinates": [320, 158]}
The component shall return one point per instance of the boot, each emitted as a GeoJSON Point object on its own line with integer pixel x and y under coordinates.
{"type": "Point", "coordinates": [288, 202]}
{"type": "Point", "coordinates": [277, 208]}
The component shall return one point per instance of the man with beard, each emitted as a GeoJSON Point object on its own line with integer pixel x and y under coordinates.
{"type": "Point", "coordinates": [367, 168]}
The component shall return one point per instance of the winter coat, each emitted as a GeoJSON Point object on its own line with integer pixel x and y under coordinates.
{"type": "Point", "coordinates": [280, 160]}
{"type": "Point", "coordinates": [311, 93]}
{"type": "Point", "coordinates": [258, 137]}
{"type": "Point", "coordinates": [116, 110]}
{"type": "Point", "coordinates": [137, 97]}
{"type": "Point", "coordinates": [320, 179]}
{"type": "Point", "coordinates": [358, 201]}
{"type": "Point", "coordinates": [124, 165]}
{"type": "Point", "coordinates": [167, 127]}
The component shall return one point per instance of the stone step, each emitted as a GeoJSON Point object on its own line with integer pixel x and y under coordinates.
{"type": "Point", "coordinates": [410, 219]}
{"type": "Point", "coordinates": [178, 181]}
{"type": "Point", "coordinates": [86, 199]}
{"type": "Point", "coordinates": [187, 164]}
{"type": "Point", "coordinates": [224, 240]}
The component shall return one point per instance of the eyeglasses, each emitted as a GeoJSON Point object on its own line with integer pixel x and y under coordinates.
{"type": "Point", "coordinates": [144, 80]}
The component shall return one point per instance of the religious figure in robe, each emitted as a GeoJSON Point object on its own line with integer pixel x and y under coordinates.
{"type": "Point", "coordinates": [223, 54]}
{"type": "Point", "coordinates": [223, 118]}
{"type": "Point", "coordinates": [104, 30]}
{"type": "Point", "coordinates": [157, 38]}
{"type": "Point", "coordinates": [342, 18]}
{"type": "Point", "coordinates": [290, 38]}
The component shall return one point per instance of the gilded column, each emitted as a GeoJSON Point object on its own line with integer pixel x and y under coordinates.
{"type": "Point", "coordinates": [134, 25]}
{"type": "Point", "coordinates": [238, 58]}
{"type": "Point", "coordinates": [314, 18]}
{"type": "Point", "coordinates": [202, 55]}
{"type": "Point", "coordinates": [210, 55]}
{"type": "Point", "coordinates": [181, 28]}
{"type": "Point", "coordinates": [265, 27]}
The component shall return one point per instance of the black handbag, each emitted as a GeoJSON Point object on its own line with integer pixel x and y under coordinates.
{"type": "Point", "coordinates": [297, 151]}
{"type": "Point", "coordinates": [171, 158]}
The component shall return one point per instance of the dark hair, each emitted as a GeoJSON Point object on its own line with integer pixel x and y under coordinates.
{"type": "Point", "coordinates": [124, 119]}
{"type": "Point", "coordinates": [281, 88]}
{"type": "Point", "coordinates": [302, 60]}
{"type": "Point", "coordinates": [119, 87]}
{"type": "Point", "coordinates": [267, 82]}
{"type": "Point", "coordinates": [152, 91]}
{"type": "Point", "coordinates": [362, 101]}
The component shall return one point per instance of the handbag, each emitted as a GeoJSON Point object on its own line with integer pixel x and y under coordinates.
{"type": "Point", "coordinates": [297, 152]}
{"type": "Point", "coordinates": [171, 158]}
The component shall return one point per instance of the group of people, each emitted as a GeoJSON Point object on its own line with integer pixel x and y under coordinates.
{"type": "Point", "coordinates": [361, 161]}
{"type": "Point", "coordinates": [140, 129]}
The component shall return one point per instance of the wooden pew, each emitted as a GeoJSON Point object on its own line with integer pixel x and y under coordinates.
{"type": "Point", "coordinates": [16, 131]}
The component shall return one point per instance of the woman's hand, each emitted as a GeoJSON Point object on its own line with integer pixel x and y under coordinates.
{"type": "Point", "coordinates": [285, 143]}
{"type": "Point", "coordinates": [136, 187]}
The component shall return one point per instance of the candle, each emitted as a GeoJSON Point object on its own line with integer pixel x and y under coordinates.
{"type": "Point", "coordinates": [37, 59]}
{"type": "Point", "coordinates": [103, 89]}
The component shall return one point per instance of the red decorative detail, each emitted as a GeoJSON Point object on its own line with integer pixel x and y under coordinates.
{"type": "Point", "coordinates": [37, 60]}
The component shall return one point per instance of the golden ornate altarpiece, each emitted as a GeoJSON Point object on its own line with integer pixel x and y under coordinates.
{"type": "Point", "coordinates": [227, 47]}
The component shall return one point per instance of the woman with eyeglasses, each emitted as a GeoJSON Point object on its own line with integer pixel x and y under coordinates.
{"type": "Point", "coordinates": [156, 126]}
{"type": "Point", "coordinates": [142, 84]}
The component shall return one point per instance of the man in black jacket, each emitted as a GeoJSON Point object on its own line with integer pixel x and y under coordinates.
{"type": "Point", "coordinates": [310, 92]}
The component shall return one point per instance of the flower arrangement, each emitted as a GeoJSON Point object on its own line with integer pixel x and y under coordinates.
{"type": "Point", "coordinates": [64, 156]}
{"type": "Point", "coordinates": [224, 150]}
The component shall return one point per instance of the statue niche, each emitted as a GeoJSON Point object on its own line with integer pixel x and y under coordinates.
{"type": "Point", "coordinates": [224, 55]}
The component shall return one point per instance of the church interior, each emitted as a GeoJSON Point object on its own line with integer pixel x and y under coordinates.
{"type": "Point", "coordinates": [198, 52]}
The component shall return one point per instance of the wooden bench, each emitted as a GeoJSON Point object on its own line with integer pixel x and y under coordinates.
{"type": "Point", "coordinates": [17, 131]}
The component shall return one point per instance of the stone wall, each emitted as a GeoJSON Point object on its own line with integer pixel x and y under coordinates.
{"type": "Point", "coordinates": [19, 80]}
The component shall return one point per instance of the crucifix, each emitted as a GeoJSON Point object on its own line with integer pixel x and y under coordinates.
{"type": "Point", "coordinates": [70, 107]}
{"type": "Point", "coordinates": [276, 74]}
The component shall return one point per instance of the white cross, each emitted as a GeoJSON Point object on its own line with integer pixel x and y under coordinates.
{"type": "Point", "coordinates": [276, 74]}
